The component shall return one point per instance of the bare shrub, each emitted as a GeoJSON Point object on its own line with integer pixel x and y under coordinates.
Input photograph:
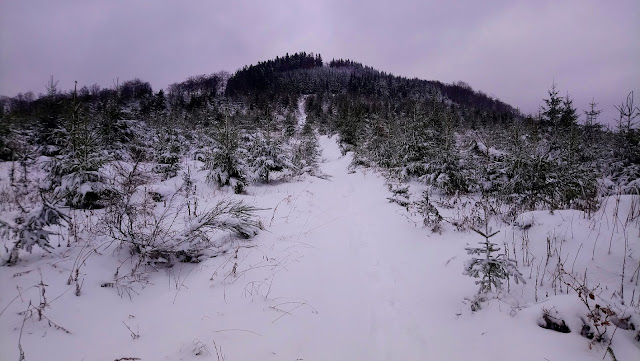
{"type": "Point", "coordinates": [164, 235]}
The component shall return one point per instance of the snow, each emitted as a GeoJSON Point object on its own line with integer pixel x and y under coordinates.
{"type": "Point", "coordinates": [491, 151]}
{"type": "Point", "coordinates": [339, 274]}
{"type": "Point", "coordinates": [302, 114]}
{"type": "Point", "coordinates": [165, 191]}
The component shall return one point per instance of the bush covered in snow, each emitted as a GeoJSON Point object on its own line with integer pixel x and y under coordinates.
{"type": "Point", "coordinates": [31, 227]}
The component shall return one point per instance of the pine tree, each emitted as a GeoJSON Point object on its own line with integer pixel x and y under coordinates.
{"type": "Point", "coordinates": [306, 151]}
{"type": "Point", "coordinates": [169, 146]}
{"type": "Point", "coordinates": [226, 161]}
{"type": "Point", "coordinates": [268, 154]}
{"type": "Point", "coordinates": [493, 270]}
{"type": "Point", "coordinates": [591, 122]}
{"type": "Point", "coordinates": [74, 175]}
{"type": "Point", "coordinates": [29, 228]}
{"type": "Point", "coordinates": [591, 116]}
{"type": "Point", "coordinates": [430, 215]}
{"type": "Point", "coordinates": [628, 133]}
{"type": "Point", "coordinates": [568, 115]}
{"type": "Point", "coordinates": [444, 166]}
{"type": "Point", "coordinates": [6, 153]}
{"type": "Point", "coordinates": [553, 110]}
{"type": "Point", "coordinates": [51, 118]}
{"type": "Point", "coordinates": [289, 125]}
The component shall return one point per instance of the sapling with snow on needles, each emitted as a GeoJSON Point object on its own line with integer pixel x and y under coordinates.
{"type": "Point", "coordinates": [226, 160]}
{"type": "Point", "coordinates": [492, 269]}
{"type": "Point", "coordinates": [28, 228]}
{"type": "Point", "coordinates": [431, 215]}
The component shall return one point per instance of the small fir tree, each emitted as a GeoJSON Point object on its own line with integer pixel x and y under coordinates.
{"type": "Point", "coordinates": [568, 115]}
{"type": "Point", "coordinates": [493, 270]}
{"type": "Point", "coordinates": [430, 215]}
{"type": "Point", "coordinates": [306, 150]}
{"type": "Point", "coordinates": [226, 159]}
{"type": "Point", "coordinates": [168, 147]}
{"type": "Point", "coordinates": [269, 154]}
{"type": "Point", "coordinates": [28, 228]}
{"type": "Point", "coordinates": [75, 173]}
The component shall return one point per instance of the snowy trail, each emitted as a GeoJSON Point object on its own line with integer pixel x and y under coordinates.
{"type": "Point", "coordinates": [339, 274]}
{"type": "Point", "coordinates": [302, 114]}
{"type": "Point", "coordinates": [381, 287]}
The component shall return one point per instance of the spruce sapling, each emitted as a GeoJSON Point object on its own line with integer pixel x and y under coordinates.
{"type": "Point", "coordinates": [491, 268]}
{"type": "Point", "coordinates": [28, 228]}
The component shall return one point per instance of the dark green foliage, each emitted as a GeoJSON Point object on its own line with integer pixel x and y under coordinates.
{"type": "Point", "coordinates": [552, 110]}
{"type": "Point", "coordinates": [194, 94]}
{"type": "Point", "coordinates": [569, 115]}
{"type": "Point", "coordinates": [6, 153]}
{"type": "Point", "coordinates": [262, 77]}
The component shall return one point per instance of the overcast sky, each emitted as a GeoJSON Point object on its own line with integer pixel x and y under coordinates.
{"type": "Point", "coordinates": [512, 50]}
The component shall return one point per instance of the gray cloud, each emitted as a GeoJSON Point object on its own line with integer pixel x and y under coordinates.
{"type": "Point", "coordinates": [513, 50]}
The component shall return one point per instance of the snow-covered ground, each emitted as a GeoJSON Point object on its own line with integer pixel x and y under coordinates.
{"type": "Point", "coordinates": [339, 273]}
{"type": "Point", "coordinates": [302, 114]}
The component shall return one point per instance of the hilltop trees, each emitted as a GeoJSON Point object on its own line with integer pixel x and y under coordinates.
{"type": "Point", "coordinates": [264, 77]}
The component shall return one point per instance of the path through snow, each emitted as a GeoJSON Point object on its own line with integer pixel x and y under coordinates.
{"type": "Point", "coordinates": [339, 274]}
{"type": "Point", "coordinates": [371, 286]}
{"type": "Point", "coordinates": [302, 114]}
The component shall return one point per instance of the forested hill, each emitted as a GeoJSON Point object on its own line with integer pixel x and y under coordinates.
{"type": "Point", "coordinates": [303, 74]}
{"type": "Point", "coordinates": [418, 129]}
{"type": "Point", "coordinates": [268, 84]}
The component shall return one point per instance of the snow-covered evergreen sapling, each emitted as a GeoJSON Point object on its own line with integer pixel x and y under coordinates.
{"type": "Point", "coordinates": [431, 215]}
{"type": "Point", "coordinates": [6, 153]}
{"type": "Point", "coordinates": [168, 147]}
{"type": "Point", "coordinates": [269, 154]}
{"type": "Point", "coordinates": [226, 160]}
{"type": "Point", "coordinates": [189, 188]}
{"type": "Point", "coordinates": [306, 150]}
{"type": "Point", "coordinates": [74, 174]}
{"type": "Point", "coordinates": [400, 194]}
{"type": "Point", "coordinates": [492, 269]}
{"type": "Point", "coordinates": [19, 174]}
{"type": "Point", "coordinates": [27, 228]}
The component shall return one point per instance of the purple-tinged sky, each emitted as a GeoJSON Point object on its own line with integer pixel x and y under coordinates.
{"type": "Point", "coordinates": [512, 50]}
